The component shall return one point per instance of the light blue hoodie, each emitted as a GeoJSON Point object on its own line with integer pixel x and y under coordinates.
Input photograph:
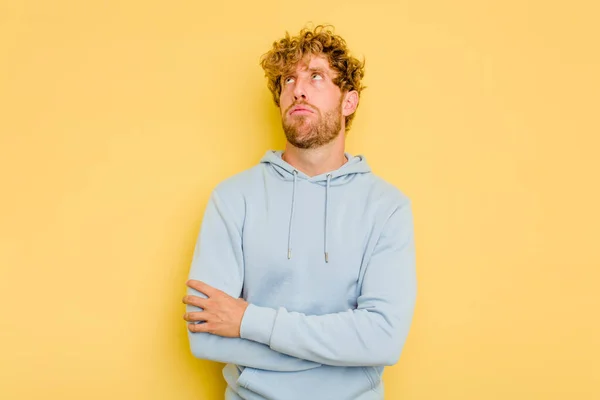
{"type": "Point", "coordinates": [327, 264]}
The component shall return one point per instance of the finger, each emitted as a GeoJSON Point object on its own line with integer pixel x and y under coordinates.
{"type": "Point", "coordinates": [196, 316]}
{"type": "Point", "coordinates": [203, 287]}
{"type": "Point", "coordinates": [195, 301]}
{"type": "Point", "coordinates": [206, 327]}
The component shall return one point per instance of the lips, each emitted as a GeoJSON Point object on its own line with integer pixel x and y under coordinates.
{"type": "Point", "coordinates": [301, 110]}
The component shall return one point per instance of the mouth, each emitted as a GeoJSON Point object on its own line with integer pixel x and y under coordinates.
{"type": "Point", "coordinates": [300, 111]}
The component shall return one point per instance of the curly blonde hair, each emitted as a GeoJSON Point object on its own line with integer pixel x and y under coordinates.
{"type": "Point", "coordinates": [320, 41]}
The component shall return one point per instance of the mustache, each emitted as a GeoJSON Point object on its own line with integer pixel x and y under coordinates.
{"type": "Point", "coordinates": [303, 104]}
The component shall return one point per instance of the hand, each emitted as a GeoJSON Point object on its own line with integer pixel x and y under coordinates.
{"type": "Point", "coordinates": [222, 313]}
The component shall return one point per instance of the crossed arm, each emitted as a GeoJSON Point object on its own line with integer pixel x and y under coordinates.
{"type": "Point", "coordinates": [233, 331]}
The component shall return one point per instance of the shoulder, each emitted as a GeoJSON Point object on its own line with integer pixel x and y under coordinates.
{"type": "Point", "coordinates": [240, 182]}
{"type": "Point", "coordinates": [234, 189]}
{"type": "Point", "coordinates": [388, 192]}
{"type": "Point", "coordinates": [395, 208]}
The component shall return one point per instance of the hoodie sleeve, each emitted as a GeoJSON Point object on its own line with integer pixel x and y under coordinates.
{"type": "Point", "coordinates": [218, 261]}
{"type": "Point", "coordinates": [374, 333]}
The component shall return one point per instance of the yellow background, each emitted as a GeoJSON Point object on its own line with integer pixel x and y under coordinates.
{"type": "Point", "coordinates": [117, 118]}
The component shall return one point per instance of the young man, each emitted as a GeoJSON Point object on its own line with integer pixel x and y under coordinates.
{"type": "Point", "coordinates": [303, 277]}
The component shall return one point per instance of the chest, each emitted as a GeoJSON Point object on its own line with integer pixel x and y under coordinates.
{"type": "Point", "coordinates": [305, 282]}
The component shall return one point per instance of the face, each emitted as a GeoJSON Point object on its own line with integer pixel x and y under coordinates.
{"type": "Point", "coordinates": [311, 104]}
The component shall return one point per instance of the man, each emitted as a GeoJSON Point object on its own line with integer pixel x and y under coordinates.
{"type": "Point", "coordinates": [303, 277]}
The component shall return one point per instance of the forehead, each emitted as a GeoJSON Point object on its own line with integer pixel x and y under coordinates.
{"type": "Point", "coordinates": [311, 63]}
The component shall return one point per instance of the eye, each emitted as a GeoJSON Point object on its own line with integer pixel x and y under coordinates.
{"type": "Point", "coordinates": [317, 76]}
{"type": "Point", "coordinates": [288, 80]}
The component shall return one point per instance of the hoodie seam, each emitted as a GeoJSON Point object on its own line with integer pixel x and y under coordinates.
{"type": "Point", "coordinates": [371, 382]}
{"type": "Point", "coordinates": [274, 324]}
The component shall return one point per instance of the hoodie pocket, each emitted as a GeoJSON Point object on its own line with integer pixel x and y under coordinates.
{"type": "Point", "coordinates": [325, 382]}
{"type": "Point", "coordinates": [372, 376]}
{"type": "Point", "coordinates": [244, 378]}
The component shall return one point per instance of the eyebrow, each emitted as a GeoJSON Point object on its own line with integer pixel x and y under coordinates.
{"type": "Point", "coordinates": [318, 69]}
{"type": "Point", "coordinates": [311, 70]}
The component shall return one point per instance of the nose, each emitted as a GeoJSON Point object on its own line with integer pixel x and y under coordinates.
{"type": "Point", "coordinates": [299, 90]}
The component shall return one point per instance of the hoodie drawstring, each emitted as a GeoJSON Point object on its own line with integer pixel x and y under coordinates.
{"type": "Point", "coordinates": [289, 255]}
{"type": "Point", "coordinates": [292, 217]}
{"type": "Point", "coordinates": [326, 209]}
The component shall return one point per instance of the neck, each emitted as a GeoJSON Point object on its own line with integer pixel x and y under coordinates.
{"type": "Point", "coordinates": [317, 161]}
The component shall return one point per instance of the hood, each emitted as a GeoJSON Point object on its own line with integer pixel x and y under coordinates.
{"type": "Point", "coordinates": [345, 174]}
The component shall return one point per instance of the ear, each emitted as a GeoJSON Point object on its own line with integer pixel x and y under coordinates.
{"type": "Point", "coordinates": [349, 103]}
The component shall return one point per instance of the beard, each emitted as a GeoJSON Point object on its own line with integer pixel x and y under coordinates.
{"type": "Point", "coordinates": [312, 131]}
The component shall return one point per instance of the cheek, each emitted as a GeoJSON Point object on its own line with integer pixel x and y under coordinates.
{"type": "Point", "coordinates": [334, 102]}
{"type": "Point", "coordinates": [284, 102]}
{"type": "Point", "coordinates": [282, 106]}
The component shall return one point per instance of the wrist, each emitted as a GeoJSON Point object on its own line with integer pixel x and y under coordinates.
{"type": "Point", "coordinates": [257, 323]}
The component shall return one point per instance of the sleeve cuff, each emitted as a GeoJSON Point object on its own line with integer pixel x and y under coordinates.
{"type": "Point", "coordinates": [257, 324]}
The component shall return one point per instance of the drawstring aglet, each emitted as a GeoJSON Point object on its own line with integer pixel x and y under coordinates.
{"type": "Point", "coordinates": [289, 253]}
{"type": "Point", "coordinates": [326, 257]}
